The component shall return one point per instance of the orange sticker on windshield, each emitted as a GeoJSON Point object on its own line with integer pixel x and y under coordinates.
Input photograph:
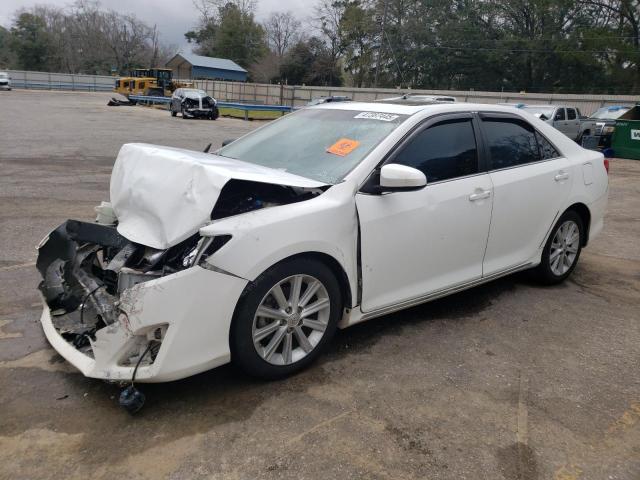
{"type": "Point", "coordinates": [343, 147]}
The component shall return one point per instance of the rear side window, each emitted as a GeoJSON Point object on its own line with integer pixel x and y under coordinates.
{"type": "Point", "coordinates": [571, 114]}
{"type": "Point", "coordinates": [511, 142]}
{"type": "Point", "coordinates": [443, 151]}
{"type": "Point", "coordinates": [547, 151]}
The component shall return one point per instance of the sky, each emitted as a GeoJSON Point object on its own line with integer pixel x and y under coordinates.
{"type": "Point", "coordinates": [173, 17]}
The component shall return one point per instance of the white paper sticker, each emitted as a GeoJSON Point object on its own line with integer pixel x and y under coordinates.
{"type": "Point", "coordinates": [385, 117]}
{"type": "Point", "coordinates": [635, 134]}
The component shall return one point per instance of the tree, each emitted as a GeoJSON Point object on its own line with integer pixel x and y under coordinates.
{"type": "Point", "coordinates": [7, 58]}
{"type": "Point", "coordinates": [83, 38]}
{"type": "Point", "coordinates": [232, 33]}
{"type": "Point", "coordinates": [357, 40]}
{"type": "Point", "coordinates": [624, 21]}
{"type": "Point", "coordinates": [29, 41]}
{"type": "Point", "coordinates": [282, 30]}
{"type": "Point", "coordinates": [310, 62]}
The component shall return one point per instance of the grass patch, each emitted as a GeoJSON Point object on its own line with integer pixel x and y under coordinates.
{"type": "Point", "coordinates": [253, 114]}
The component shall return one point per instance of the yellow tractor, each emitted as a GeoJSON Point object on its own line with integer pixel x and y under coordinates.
{"type": "Point", "coordinates": [157, 82]}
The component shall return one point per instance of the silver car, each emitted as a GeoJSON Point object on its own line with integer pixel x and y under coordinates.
{"type": "Point", "coordinates": [5, 81]}
{"type": "Point", "coordinates": [193, 103]}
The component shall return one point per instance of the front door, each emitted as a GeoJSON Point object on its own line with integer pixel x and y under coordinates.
{"type": "Point", "coordinates": [417, 242]}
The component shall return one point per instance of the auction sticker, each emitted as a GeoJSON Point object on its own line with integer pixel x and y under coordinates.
{"type": "Point", "coordinates": [385, 117]}
{"type": "Point", "coordinates": [343, 147]}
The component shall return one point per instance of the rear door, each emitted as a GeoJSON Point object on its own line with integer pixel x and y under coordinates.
{"type": "Point", "coordinates": [573, 123]}
{"type": "Point", "coordinates": [560, 121]}
{"type": "Point", "coordinates": [531, 183]}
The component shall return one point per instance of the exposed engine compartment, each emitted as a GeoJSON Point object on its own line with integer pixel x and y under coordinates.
{"type": "Point", "coordinates": [87, 266]}
{"type": "Point", "coordinates": [242, 196]}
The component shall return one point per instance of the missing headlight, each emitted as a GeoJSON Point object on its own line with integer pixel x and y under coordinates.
{"type": "Point", "coordinates": [206, 247]}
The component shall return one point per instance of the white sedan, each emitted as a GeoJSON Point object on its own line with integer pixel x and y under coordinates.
{"type": "Point", "coordinates": [328, 217]}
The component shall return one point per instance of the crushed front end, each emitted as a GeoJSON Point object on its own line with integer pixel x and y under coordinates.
{"type": "Point", "coordinates": [113, 306]}
{"type": "Point", "coordinates": [200, 107]}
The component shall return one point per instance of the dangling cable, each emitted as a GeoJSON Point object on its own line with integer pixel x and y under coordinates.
{"type": "Point", "coordinates": [135, 370]}
{"type": "Point", "coordinates": [85, 301]}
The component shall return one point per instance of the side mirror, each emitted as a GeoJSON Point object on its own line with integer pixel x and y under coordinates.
{"type": "Point", "coordinates": [227, 141]}
{"type": "Point", "coordinates": [400, 177]}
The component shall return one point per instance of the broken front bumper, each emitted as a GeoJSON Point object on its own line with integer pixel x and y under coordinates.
{"type": "Point", "coordinates": [182, 318]}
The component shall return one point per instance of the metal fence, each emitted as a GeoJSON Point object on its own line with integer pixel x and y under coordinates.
{"type": "Point", "coordinates": [295, 96]}
{"type": "Point", "coordinates": [60, 81]}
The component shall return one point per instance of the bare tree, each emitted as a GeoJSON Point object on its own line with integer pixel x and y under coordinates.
{"type": "Point", "coordinates": [283, 30]}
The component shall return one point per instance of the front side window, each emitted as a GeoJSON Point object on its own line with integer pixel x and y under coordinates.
{"type": "Point", "coordinates": [443, 151]}
{"type": "Point", "coordinates": [560, 114]}
{"type": "Point", "coordinates": [571, 114]}
{"type": "Point", "coordinates": [511, 142]}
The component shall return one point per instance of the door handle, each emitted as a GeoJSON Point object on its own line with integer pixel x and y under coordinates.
{"type": "Point", "coordinates": [561, 176]}
{"type": "Point", "coordinates": [480, 195]}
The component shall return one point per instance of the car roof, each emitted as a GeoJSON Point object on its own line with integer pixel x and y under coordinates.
{"type": "Point", "coordinates": [404, 109]}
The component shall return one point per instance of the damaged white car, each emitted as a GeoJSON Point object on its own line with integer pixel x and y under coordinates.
{"type": "Point", "coordinates": [325, 218]}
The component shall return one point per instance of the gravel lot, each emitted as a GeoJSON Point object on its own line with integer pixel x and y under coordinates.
{"type": "Point", "coordinates": [505, 381]}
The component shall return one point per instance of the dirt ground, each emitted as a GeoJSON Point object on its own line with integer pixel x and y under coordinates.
{"type": "Point", "coordinates": [505, 381]}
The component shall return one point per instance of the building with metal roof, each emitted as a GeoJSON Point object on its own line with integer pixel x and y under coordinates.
{"type": "Point", "coordinates": [196, 67]}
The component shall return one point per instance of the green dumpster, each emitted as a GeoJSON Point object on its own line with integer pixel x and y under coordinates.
{"type": "Point", "coordinates": [626, 137]}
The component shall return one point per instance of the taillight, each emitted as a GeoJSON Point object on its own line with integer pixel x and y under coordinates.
{"type": "Point", "coordinates": [606, 165]}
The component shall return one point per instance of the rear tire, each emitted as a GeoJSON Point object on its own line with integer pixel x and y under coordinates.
{"type": "Point", "coordinates": [562, 250]}
{"type": "Point", "coordinates": [271, 336]}
{"type": "Point", "coordinates": [173, 114]}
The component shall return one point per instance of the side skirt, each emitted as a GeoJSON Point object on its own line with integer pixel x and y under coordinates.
{"type": "Point", "coordinates": [356, 315]}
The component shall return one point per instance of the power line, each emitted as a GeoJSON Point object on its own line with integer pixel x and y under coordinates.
{"type": "Point", "coordinates": [517, 50]}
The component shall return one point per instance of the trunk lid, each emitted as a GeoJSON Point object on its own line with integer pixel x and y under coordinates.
{"type": "Point", "coordinates": [163, 195]}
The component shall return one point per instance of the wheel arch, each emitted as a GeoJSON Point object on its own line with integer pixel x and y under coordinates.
{"type": "Point", "coordinates": [336, 268]}
{"type": "Point", "coordinates": [585, 215]}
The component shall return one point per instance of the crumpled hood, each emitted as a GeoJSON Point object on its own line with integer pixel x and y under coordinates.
{"type": "Point", "coordinates": [163, 195]}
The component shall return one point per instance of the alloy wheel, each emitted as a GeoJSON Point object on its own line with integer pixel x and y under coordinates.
{"type": "Point", "coordinates": [564, 247]}
{"type": "Point", "coordinates": [291, 319]}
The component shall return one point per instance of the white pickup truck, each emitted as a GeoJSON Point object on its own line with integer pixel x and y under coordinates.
{"type": "Point", "coordinates": [568, 120]}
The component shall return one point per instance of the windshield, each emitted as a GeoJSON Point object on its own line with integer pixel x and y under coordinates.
{"type": "Point", "coordinates": [321, 144]}
{"type": "Point", "coordinates": [194, 92]}
{"type": "Point", "coordinates": [610, 112]}
{"type": "Point", "coordinates": [3, 75]}
{"type": "Point", "coordinates": [537, 111]}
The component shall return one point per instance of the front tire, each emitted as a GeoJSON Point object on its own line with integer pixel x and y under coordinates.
{"type": "Point", "coordinates": [285, 318]}
{"type": "Point", "coordinates": [562, 250]}
{"type": "Point", "coordinates": [173, 113]}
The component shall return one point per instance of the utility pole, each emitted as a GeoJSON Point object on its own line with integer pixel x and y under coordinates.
{"type": "Point", "coordinates": [384, 21]}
